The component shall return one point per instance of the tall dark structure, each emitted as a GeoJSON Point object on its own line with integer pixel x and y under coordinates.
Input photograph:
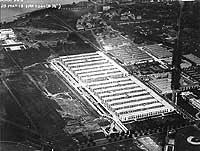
{"type": "Point", "coordinates": [0, 14]}
{"type": "Point", "coordinates": [194, 21]}
{"type": "Point", "coordinates": [176, 60]}
{"type": "Point", "coordinates": [196, 15]}
{"type": "Point", "coordinates": [196, 26]}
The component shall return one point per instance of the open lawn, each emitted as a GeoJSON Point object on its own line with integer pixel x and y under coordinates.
{"type": "Point", "coordinates": [77, 114]}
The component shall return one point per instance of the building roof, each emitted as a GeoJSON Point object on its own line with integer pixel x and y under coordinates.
{"type": "Point", "coordinates": [112, 86]}
{"type": "Point", "coordinates": [193, 58]}
{"type": "Point", "coordinates": [5, 33]}
{"type": "Point", "coordinates": [13, 48]}
{"type": "Point", "coordinates": [9, 42]}
{"type": "Point", "coordinates": [163, 85]}
{"type": "Point", "coordinates": [158, 51]}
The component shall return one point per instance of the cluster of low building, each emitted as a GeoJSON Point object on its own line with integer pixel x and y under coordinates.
{"type": "Point", "coordinates": [162, 82]}
{"type": "Point", "coordinates": [123, 17]}
{"type": "Point", "coordinates": [9, 41]}
{"type": "Point", "coordinates": [90, 21]}
{"type": "Point", "coordinates": [192, 98]}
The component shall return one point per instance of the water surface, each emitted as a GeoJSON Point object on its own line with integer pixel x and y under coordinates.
{"type": "Point", "coordinates": [7, 14]}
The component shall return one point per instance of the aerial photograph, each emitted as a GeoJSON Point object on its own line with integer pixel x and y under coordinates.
{"type": "Point", "coordinates": [99, 75]}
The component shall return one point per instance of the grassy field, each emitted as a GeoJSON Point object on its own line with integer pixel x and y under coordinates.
{"type": "Point", "coordinates": [125, 145]}
{"type": "Point", "coordinates": [10, 111]}
{"type": "Point", "coordinates": [88, 34]}
{"type": "Point", "coordinates": [12, 146]}
{"type": "Point", "coordinates": [5, 61]}
{"type": "Point", "coordinates": [29, 56]}
{"type": "Point", "coordinates": [78, 115]}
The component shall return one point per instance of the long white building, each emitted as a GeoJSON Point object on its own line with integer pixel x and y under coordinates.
{"type": "Point", "coordinates": [119, 93]}
{"type": "Point", "coordinates": [7, 33]}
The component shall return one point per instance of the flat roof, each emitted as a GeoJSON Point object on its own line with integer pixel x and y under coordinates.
{"type": "Point", "coordinates": [13, 48]}
{"type": "Point", "coordinates": [113, 87]}
{"type": "Point", "coordinates": [8, 42]}
{"type": "Point", "coordinates": [6, 30]}
{"type": "Point", "coordinates": [158, 51]}
{"type": "Point", "coordinates": [193, 58]}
